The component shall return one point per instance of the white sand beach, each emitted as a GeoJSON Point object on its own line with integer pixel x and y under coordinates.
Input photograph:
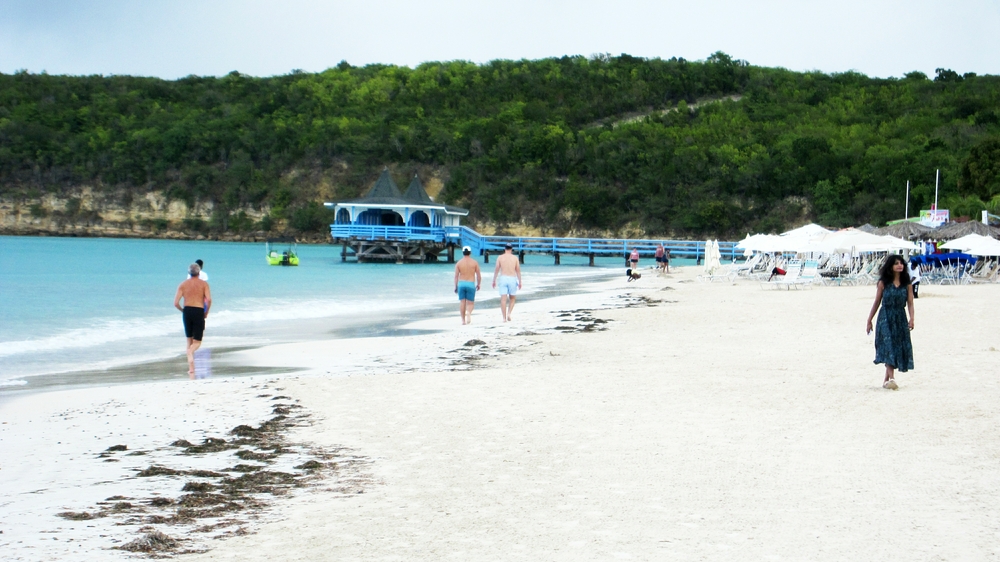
{"type": "Point", "coordinates": [721, 423]}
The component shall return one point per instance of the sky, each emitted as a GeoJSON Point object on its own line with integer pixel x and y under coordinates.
{"type": "Point", "coordinates": [175, 38]}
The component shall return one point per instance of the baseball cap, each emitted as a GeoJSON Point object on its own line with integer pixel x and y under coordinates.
{"type": "Point", "coordinates": [466, 250]}
{"type": "Point", "coordinates": [508, 246]}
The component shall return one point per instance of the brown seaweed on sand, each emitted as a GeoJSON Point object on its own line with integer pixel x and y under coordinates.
{"type": "Point", "coordinates": [80, 515]}
{"type": "Point", "coordinates": [206, 500]}
{"type": "Point", "coordinates": [151, 542]}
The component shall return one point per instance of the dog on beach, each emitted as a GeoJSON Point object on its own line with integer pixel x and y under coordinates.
{"type": "Point", "coordinates": [632, 275]}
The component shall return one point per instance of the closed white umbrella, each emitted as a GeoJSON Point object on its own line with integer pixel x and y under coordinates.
{"type": "Point", "coordinates": [712, 256]}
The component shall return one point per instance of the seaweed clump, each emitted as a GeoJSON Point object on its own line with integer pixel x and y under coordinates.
{"type": "Point", "coordinates": [198, 487]}
{"type": "Point", "coordinates": [80, 515]}
{"type": "Point", "coordinates": [247, 455]}
{"type": "Point", "coordinates": [210, 445]}
{"type": "Point", "coordinates": [156, 470]}
{"type": "Point", "coordinates": [154, 541]}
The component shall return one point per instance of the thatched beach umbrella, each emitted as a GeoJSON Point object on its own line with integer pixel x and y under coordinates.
{"type": "Point", "coordinates": [953, 230]}
{"type": "Point", "coordinates": [866, 228]}
{"type": "Point", "coordinates": [905, 230]}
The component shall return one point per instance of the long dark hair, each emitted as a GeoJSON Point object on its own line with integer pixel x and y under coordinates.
{"type": "Point", "coordinates": [886, 274]}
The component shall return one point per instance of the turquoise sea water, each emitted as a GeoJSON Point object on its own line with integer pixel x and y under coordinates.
{"type": "Point", "coordinates": [75, 304]}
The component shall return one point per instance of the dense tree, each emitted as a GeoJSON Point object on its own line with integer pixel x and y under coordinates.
{"type": "Point", "coordinates": [677, 147]}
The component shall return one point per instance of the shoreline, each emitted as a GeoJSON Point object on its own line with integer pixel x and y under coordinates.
{"type": "Point", "coordinates": [226, 362]}
{"type": "Point", "coordinates": [690, 421]}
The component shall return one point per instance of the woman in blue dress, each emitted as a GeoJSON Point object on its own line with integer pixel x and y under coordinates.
{"type": "Point", "coordinates": [892, 330]}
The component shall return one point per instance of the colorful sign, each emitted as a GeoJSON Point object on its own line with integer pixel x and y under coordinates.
{"type": "Point", "coordinates": [934, 217]}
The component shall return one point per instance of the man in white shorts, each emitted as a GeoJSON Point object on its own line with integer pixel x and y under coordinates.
{"type": "Point", "coordinates": [507, 276]}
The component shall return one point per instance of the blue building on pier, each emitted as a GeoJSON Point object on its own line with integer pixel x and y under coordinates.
{"type": "Point", "coordinates": [384, 205]}
{"type": "Point", "coordinates": [386, 225]}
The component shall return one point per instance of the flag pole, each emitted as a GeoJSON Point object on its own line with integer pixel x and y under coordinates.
{"type": "Point", "coordinates": [907, 212]}
{"type": "Point", "coordinates": [937, 179]}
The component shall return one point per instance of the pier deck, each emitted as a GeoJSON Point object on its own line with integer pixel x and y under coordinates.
{"type": "Point", "coordinates": [388, 243]}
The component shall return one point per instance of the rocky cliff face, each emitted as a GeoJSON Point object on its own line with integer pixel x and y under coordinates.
{"type": "Point", "coordinates": [137, 212]}
{"type": "Point", "coordinates": [85, 212]}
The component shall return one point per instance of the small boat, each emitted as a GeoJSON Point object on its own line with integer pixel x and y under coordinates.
{"type": "Point", "coordinates": [287, 257]}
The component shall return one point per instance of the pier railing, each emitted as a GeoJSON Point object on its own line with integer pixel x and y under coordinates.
{"type": "Point", "coordinates": [604, 247]}
{"type": "Point", "coordinates": [374, 232]}
{"type": "Point", "coordinates": [465, 236]}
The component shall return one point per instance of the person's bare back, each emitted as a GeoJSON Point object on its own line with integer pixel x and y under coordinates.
{"type": "Point", "coordinates": [508, 275]}
{"type": "Point", "coordinates": [195, 292]}
{"type": "Point", "coordinates": [197, 299]}
{"type": "Point", "coordinates": [509, 266]}
{"type": "Point", "coordinates": [468, 270]}
{"type": "Point", "coordinates": [468, 277]}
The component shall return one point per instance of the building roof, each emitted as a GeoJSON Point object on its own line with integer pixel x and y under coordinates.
{"type": "Point", "coordinates": [385, 193]}
{"type": "Point", "coordinates": [417, 193]}
{"type": "Point", "coordinates": [384, 187]}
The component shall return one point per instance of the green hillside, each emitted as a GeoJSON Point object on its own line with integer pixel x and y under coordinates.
{"type": "Point", "coordinates": [672, 147]}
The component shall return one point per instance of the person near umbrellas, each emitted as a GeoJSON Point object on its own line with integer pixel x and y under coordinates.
{"type": "Point", "coordinates": [914, 271]}
{"type": "Point", "coordinates": [894, 293]}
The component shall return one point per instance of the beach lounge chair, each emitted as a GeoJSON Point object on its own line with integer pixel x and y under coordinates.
{"type": "Point", "coordinates": [809, 274]}
{"type": "Point", "coordinates": [986, 272]}
{"type": "Point", "coordinates": [747, 267]}
{"type": "Point", "coordinates": [720, 275]}
{"type": "Point", "coordinates": [762, 271]}
{"type": "Point", "coordinates": [725, 273]}
{"type": "Point", "coordinates": [787, 281]}
{"type": "Point", "coordinates": [866, 275]}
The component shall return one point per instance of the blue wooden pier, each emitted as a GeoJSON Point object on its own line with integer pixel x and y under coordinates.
{"type": "Point", "coordinates": [388, 225]}
{"type": "Point", "coordinates": [413, 243]}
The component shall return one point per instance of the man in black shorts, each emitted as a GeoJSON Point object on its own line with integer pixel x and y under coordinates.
{"type": "Point", "coordinates": [194, 291]}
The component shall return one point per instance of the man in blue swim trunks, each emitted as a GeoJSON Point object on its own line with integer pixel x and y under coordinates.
{"type": "Point", "coordinates": [507, 276]}
{"type": "Point", "coordinates": [468, 277]}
